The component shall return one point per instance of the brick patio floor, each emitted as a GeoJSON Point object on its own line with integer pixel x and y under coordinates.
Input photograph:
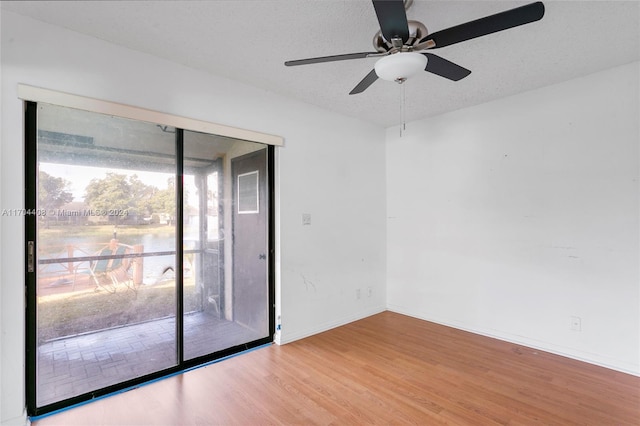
{"type": "Point", "coordinates": [76, 365]}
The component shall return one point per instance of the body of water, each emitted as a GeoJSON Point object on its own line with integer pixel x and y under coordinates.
{"type": "Point", "coordinates": [155, 268]}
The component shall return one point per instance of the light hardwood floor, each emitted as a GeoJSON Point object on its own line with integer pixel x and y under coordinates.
{"type": "Point", "coordinates": [385, 369]}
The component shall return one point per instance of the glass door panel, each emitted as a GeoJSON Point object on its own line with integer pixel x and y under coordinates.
{"type": "Point", "coordinates": [121, 289]}
{"type": "Point", "coordinates": [106, 233]}
{"type": "Point", "coordinates": [225, 265]}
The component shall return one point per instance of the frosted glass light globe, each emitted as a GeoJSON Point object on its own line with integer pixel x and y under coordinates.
{"type": "Point", "coordinates": [400, 66]}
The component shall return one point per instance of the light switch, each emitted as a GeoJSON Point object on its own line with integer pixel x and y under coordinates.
{"type": "Point", "coordinates": [306, 219]}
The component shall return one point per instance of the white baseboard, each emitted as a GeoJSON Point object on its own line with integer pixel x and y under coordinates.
{"type": "Point", "coordinates": [22, 420]}
{"type": "Point", "coordinates": [284, 338]}
{"type": "Point", "coordinates": [578, 355]}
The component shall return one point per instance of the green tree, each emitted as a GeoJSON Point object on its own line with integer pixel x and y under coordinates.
{"type": "Point", "coordinates": [52, 194]}
{"type": "Point", "coordinates": [121, 192]}
{"type": "Point", "coordinates": [164, 200]}
{"type": "Point", "coordinates": [141, 197]}
{"type": "Point", "coordinates": [109, 193]}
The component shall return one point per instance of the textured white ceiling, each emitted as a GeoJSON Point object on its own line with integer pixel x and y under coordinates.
{"type": "Point", "coordinates": [249, 41]}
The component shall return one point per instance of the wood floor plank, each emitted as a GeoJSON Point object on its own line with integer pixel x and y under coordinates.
{"type": "Point", "coordinates": [385, 369]}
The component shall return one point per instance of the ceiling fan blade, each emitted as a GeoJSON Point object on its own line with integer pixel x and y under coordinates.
{"type": "Point", "coordinates": [444, 68]}
{"type": "Point", "coordinates": [392, 18]}
{"type": "Point", "coordinates": [366, 82]}
{"type": "Point", "coordinates": [331, 58]}
{"type": "Point", "coordinates": [490, 24]}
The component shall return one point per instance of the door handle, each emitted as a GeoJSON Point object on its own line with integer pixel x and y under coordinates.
{"type": "Point", "coordinates": [30, 256]}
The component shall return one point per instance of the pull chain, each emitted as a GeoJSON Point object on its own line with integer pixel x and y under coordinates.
{"type": "Point", "coordinates": [403, 124]}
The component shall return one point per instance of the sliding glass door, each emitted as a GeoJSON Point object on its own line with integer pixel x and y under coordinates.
{"type": "Point", "coordinates": [147, 251]}
{"type": "Point", "coordinates": [224, 281]}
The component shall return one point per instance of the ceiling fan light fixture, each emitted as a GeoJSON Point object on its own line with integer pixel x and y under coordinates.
{"type": "Point", "coordinates": [400, 66]}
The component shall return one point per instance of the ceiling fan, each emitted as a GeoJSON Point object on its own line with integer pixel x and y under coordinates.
{"type": "Point", "coordinates": [399, 41]}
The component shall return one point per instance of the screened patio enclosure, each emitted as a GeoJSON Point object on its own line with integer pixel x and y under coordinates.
{"type": "Point", "coordinates": [151, 248]}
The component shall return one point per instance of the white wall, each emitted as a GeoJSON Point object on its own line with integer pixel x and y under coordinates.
{"type": "Point", "coordinates": [331, 167]}
{"type": "Point", "coordinates": [508, 218]}
{"type": "Point", "coordinates": [1, 298]}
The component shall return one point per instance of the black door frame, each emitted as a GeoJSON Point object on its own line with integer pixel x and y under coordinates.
{"type": "Point", "coordinates": [30, 268]}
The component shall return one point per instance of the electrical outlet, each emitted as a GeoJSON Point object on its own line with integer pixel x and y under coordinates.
{"type": "Point", "coordinates": [306, 218]}
{"type": "Point", "coordinates": [369, 291]}
{"type": "Point", "coordinates": [357, 293]}
{"type": "Point", "coordinates": [576, 324]}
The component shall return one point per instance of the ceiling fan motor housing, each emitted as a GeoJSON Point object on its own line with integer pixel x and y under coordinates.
{"type": "Point", "coordinates": [417, 31]}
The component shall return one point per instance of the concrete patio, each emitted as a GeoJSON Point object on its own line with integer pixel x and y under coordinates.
{"type": "Point", "coordinates": [75, 365]}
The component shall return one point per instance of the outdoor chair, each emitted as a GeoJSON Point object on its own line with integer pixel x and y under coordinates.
{"type": "Point", "coordinates": [110, 273]}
